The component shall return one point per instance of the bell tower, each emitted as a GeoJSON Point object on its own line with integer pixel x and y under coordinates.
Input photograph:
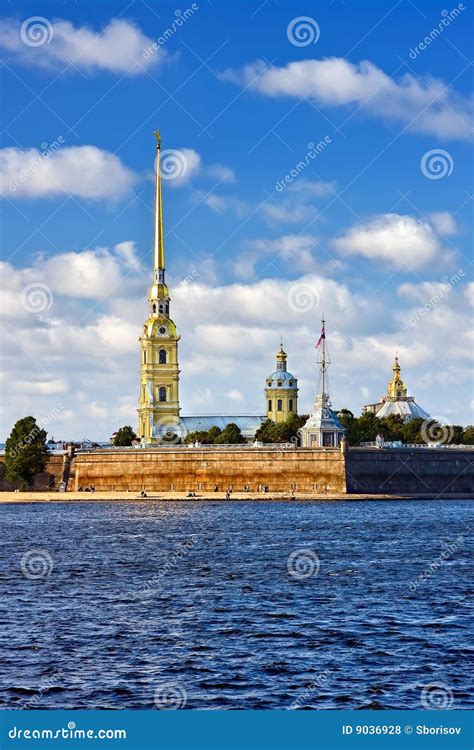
{"type": "Point", "coordinates": [158, 400]}
{"type": "Point", "coordinates": [281, 392]}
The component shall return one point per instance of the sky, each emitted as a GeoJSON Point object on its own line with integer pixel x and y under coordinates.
{"type": "Point", "coordinates": [317, 160]}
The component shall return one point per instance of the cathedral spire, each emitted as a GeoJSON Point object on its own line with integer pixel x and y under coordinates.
{"type": "Point", "coordinates": [159, 295]}
{"type": "Point", "coordinates": [159, 244]}
{"type": "Point", "coordinates": [281, 358]}
{"type": "Point", "coordinates": [396, 387]}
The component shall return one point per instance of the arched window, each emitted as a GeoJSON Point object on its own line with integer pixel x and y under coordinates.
{"type": "Point", "coordinates": [154, 308]}
{"type": "Point", "coordinates": [290, 404]}
{"type": "Point", "coordinates": [144, 358]}
{"type": "Point", "coordinates": [270, 405]}
{"type": "Point", "coordinates": [162, 393]}
{"type": "Point", "coordinates": [279, 405]}
{"type": "Point", "coordinates": [162, 308]}
{"type": "Point", "coordinates": [162, 357]}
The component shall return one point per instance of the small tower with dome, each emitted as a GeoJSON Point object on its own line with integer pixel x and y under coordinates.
{"type": "Point", "coordinates": [281, 391]}
{"type": "Point", "coordinates": [396, 401]}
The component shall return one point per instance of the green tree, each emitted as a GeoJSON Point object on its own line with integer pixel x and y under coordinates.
{"type": "Point", "coordinates": [411, 431]}
{"type": "Point", "coordinates": [25, 452]}
{"type": "Point", "coordinates": [364, 429]}
{"type": "Point", "coordinates": [281, 432]}
{"type": "Point", "coordinates": [456, 434]}
{"type": "Point", "coordinates": [124, 436]}
{"type": "Point", "coordinates": [349, 422]}
{"type": "Point", "coordinates": [391, 427]}
{"type": "Point", "coordinates": [212, 435]}
{"type": "Point", "coordinates": [266, 432]}
{"type": "Point", "coordinates": [468, 435]}
{"type": "Point", "coordinates": [198, 436]}
{"type": "Point", "coordinates": [230, 434]}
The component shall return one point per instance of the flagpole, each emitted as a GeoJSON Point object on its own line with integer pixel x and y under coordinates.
{"type": "Point", "coordinates": [323, 361]}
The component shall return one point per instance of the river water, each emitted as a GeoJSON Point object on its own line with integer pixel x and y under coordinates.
{"type": "Point", "coordinates": [251, 604]}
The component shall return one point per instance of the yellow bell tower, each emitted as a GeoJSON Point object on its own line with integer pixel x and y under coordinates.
{"type": "Point", "coordinates": [281, 392]}
{"type": "Point", "coordinates": [396, 387]}
{"type": "Point", "coordinates": [158, 401]}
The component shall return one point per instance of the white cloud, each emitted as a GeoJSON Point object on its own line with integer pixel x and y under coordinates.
{"type": "Point", "coordinates": [296, 204]}
{"type": "Point", "coordinates": [84, 354]}
{"type": "Point", "coordinates": [469, 293]}
{"type": "Point", "coordinates": [128, 253]}
{"type": "Point", "coordinates": [312, 188]}
{"type": "Point", "coordinates": [181, 166]}
{"type": "Point", "coordinates": [235, 395]}
{"type": "Point", "coordinates": [295, 252]}
{"type": "Point", "coordinates": [223, 204]}
{"type": "Point", "coordinates": [84, 171]}
{"type": "Point", "coordinates": [396, 239]}
{"type": "Point", "coordinates": [444, 222]}
{"type": "Point", "coordinates": [221, 172]}
{"type": "Point", "coordinates": [118, 48]}
{"type": "Point", "coordinates": [426, 106]}
{"type": "Point", "coordinates": [41, 387]}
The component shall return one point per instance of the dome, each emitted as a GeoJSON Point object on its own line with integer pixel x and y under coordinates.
{"type": "Point", "coordinates": [407, 409]}
{"type": "Point", "coordinates": [282, 379]}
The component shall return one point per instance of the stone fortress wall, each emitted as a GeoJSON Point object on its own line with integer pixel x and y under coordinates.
{"type": "Point", "coordinates": [427, 471]}
{"type": "Point", "coordinates": [186, 469]}
{"type": "Point", "coordinates": [410, 471]}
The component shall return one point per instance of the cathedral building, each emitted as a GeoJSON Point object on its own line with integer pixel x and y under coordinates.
{"type": "Point", "coordinates": [158, 403]}
{"type": "Point", "coordinates": [396, 400]}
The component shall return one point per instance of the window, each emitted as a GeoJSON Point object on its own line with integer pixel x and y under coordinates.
{"type": "Point", "coordinates": [162, 330]}
{"type": "Point", "coordinates": [280, 383]}
{"type": "Point", "coordinates": [290, 404]}
{"type": "Point", "coordinates": [144, 358]}
{"type": "Point", "coordinates": [270, 405]}
{"type": "Point", "coordinates": [162, 393]}
{"type": "Point", "coordinates": [154, 308]}
{"type": "Point", "coordinates": [291, 383]}
{"type": "Point", "coordinates": [269, 382]}
{"type": "Point", "coordinates": [162, 357]}
{"type": "Point", "coordinates": [279, 405]}
{"type": "Point", "coordinates": [162, 308]}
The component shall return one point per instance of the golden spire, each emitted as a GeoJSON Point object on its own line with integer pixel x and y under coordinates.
{"type": "Point", "coordinates": [281, 358]}
{"type": "Point", "coordinates": [159, 246]}
{"type": "Point", "coordinates": [396, 387]}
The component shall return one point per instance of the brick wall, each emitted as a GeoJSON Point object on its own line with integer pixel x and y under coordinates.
{"type": "Point", "coordinates": [185, 469]}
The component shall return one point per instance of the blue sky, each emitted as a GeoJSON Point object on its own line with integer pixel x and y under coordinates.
{"type": "Point", "coordinates": [362, 233]}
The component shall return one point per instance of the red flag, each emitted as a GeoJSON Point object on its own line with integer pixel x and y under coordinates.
{"type": "Point", "coordinates": [323, 336]}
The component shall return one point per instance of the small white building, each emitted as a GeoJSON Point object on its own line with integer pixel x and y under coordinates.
{"type": "Point", "coordinates": [323, 428]}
